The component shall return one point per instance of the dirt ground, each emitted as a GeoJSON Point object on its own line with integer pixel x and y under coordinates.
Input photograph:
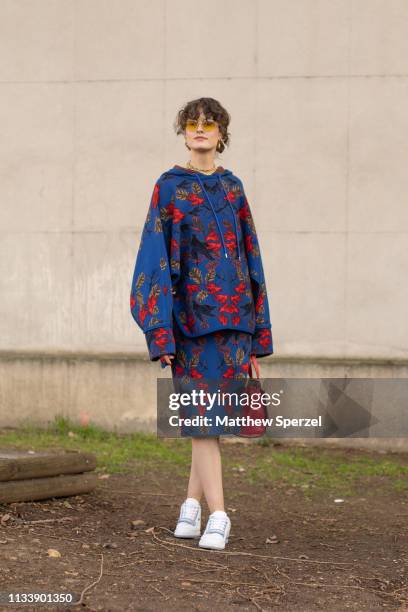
{"type": "Point", "coordinates": [286, 552]}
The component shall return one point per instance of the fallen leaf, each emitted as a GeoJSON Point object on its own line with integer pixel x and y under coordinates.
{"type": "Point", "coordinates": [52, 552]}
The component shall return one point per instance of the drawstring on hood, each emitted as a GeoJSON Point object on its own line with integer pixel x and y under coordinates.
{"type": "Point", "coordinates": [215, 214]}
{"type": "Point", "coordinates": [180, 171]}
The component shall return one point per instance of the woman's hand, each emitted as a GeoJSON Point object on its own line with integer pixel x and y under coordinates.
{"type": "Point", "coordinates": [167, 358]}
{"type": "Point", "coordinates": [255, 365]}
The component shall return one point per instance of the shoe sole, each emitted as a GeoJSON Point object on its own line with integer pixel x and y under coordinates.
{"type": "Point", "coordinates": [214, 547]}
{"type": "Point", "coordinates": [188, 537]}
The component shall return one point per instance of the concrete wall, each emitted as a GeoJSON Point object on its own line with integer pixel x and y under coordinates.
{"type": "Point", "coordinates": [318, 93]}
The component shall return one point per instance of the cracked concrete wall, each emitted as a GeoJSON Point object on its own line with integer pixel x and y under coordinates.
{"type": "Point", "coordinates": [318, 94]}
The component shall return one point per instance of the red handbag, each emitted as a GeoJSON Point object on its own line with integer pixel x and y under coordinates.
{"type": "Point", "coordinates": [253, 386]}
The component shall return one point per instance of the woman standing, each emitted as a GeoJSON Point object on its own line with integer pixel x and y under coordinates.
{"type": "Point", "coordinates": [199, 295]}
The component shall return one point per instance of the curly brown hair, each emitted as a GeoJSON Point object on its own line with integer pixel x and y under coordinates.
{"type": "Point", "coordinates": [212, 109]}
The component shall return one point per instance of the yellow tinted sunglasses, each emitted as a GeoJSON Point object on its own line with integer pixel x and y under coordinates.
{"type": "Point", "coordinates": [208, 125]}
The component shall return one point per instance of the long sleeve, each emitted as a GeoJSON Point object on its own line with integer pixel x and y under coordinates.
{"type": "Point", "coordinates": [151, 297]}
{"type": "Point", "coordinates": [262, 342]}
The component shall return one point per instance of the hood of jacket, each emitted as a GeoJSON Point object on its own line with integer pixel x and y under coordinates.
{"type": "Point", "coordinates": [181, 275]}
{"type": "Point", "coordinates": [210, 179]}
{"type": "Point", "coordinates": [181, 171]}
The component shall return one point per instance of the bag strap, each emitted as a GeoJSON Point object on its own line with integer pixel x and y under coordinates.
{"type": "Point", "coordinates": [256, 370]}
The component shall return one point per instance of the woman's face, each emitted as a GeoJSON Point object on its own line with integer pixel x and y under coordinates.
{"type": "Point", "coordinates": [202, 134]}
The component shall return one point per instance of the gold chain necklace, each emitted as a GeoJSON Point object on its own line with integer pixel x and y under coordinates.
{"type": "Point", "coordinates": [190, 165]}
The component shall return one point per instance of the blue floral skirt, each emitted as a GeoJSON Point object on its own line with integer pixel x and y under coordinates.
{"type": "Point", "coordinates": [218, 361]}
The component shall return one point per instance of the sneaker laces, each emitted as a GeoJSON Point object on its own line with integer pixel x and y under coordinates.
{"type": "Point", "coordinates": [217, 524]}
{"type": "Point", "coordinates": [189, 511]}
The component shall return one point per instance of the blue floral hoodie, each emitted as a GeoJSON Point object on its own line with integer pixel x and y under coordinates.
{"type": "Point", "coordinates": [199, 261]}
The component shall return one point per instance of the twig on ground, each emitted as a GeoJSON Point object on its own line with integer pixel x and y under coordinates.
{"type": "Point", "coordinates": [247, 554]}
{"type": "Point", "coordinates": [79, 603]}
{"type": "Point", "coordinates": [54, 520]}
{"type": "Point", "coordinates": [248, 598]}
{"type": "Point", "coordinates": [159, 591]}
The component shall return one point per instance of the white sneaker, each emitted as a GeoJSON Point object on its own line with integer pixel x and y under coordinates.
{"type": "Point", "coordinates": [217, 531]}
{"type": "Point", "coordinates": [189, 523]}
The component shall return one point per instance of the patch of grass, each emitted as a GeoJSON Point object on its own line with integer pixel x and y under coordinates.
{"type": "Point", "coordinates": [311, 470]}
{"type": "Point", "coordinates": [317, 470]}
{"type": "Point", "coordinates": [114, 451]}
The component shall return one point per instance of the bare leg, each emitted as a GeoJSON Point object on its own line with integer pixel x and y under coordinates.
{"type": "Point", "coordinates": [195, 488]}
{"type": "Point", "coordinates": [206, 472]}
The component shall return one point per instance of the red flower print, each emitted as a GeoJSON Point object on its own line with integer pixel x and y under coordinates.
{"type": "Point", "coordinates": [229, 235]}
{"type": "Point", "coordinates": [229, 308]}
{"type": "Point", "coordinates": [195, 199]}
{"type": "Point", "coordinates": [174, 247]}
{"type": "Point", "coordinates": [248, 244]}
{"type": "Point", "coordinates": [155, 196]}
{"type": "Point", "coordinates": [230, 196]}
{"type": "Point", "coordinates": [223, 319]}
{"type": "Point", "coordinates": [143, 313]}
{"type": "Point", "coordinates": [231, 239]}
{"type": "Point", "coordinates": [240, 288]}
{"type": "Point", "coordinates": [177, 215]}
{"type": "Point", "coordinates": [192, 288]}
{"type": "Point", "coordinates": [229, 373]}
{"type": "Point", "coordinates": [235, 299]}
{"type": "Point", "coordinates": [244, 212]}
{"type": "Point", "coordinates": [236, 320]}
{"type": "Point", "coordinates": [161, 337]}
{"type": "Point", "coordinates": [259, 303]}
{"type": "Point", "coordinates": [170, 209]}
{"type": "Point", "coordinates": [212, 241]}
{"type": "Point", "coordinates": [221, 298]}
{"type": "Point", "coordinates": [265, 337]}
{"type": "Point", "coordinates": [151, 303]}
{"type": "Point", "coordinates": [212, 288]}
{"type": "Point", "coordinates": [195, 373]}
{"type": "Point", "coordinates": [132, 302]}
